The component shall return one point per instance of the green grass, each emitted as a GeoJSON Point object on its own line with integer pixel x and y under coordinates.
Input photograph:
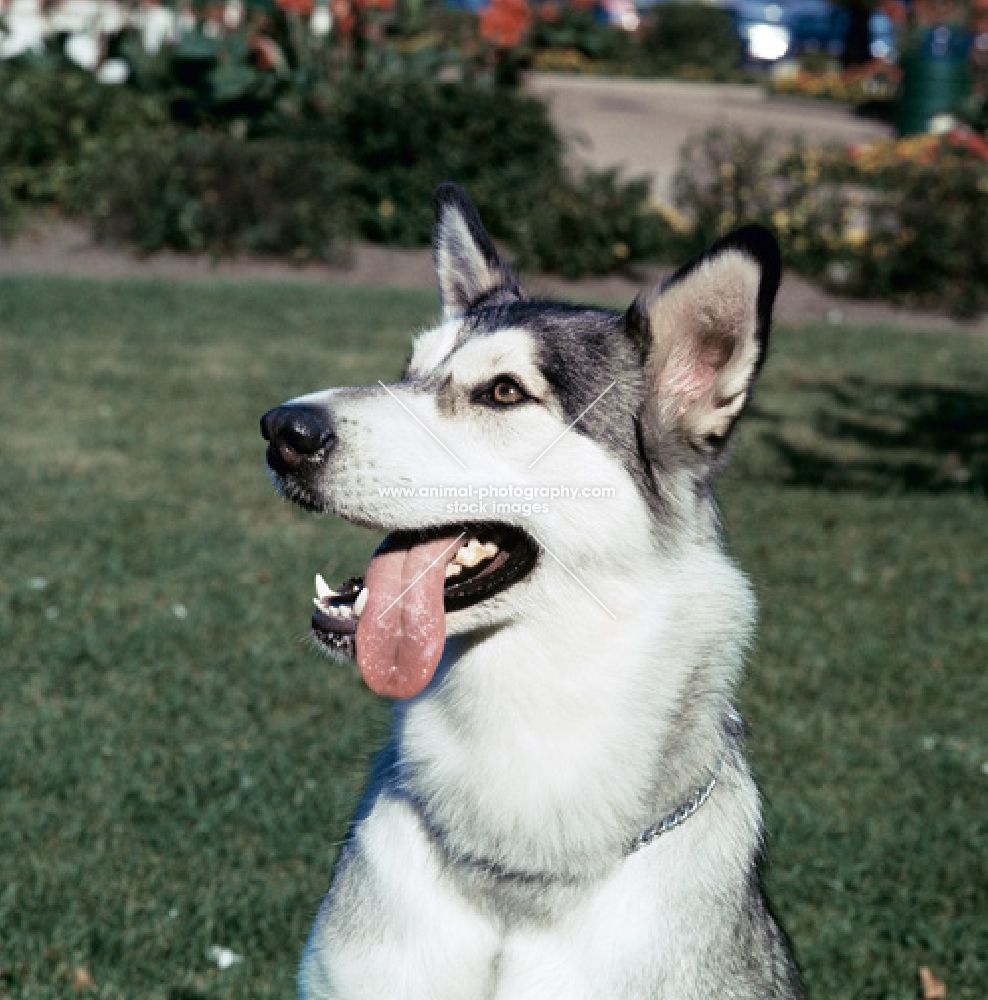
{"type": "Point", "coordinates": [172, 782]}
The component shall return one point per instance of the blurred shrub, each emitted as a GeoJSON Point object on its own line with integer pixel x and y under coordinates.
{"type": "Point", "coordinates": [52, 116]}
{"type": "Point", "coordinates": [906, 221]}
{"type": "Point", "coordinates": [404, 139]}
{"type": "Point", "coordinates": [593, 226]}
{"type": "Point", "coordinates": [687, 40]}
{"type": "Point", "coordinates": [690, 39]}
{"type": "Point", "coordinates": [500, 145]}
{"type": "Point", "coordinates": [974, 113]}
{"type": "Point", "coordinates": [571, 28]}
{"type": "Point", "coordinates": [209, 192]}
{"type": "Point", "coordinates": [9, 209]}
{"type": "Point", "coordinates": [361, 158]}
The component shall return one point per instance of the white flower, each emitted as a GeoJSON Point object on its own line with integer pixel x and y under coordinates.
{"type": "Point", "coordinates": [222, 957]}
{"type": "Point", "coordinates": [113, 71]}
{"type": "Point", "coordinates": [37, 583]}
{"type": "Point", "coordinates": [180, 611]}
{"type": "Point", "coordinates": [83, 50]}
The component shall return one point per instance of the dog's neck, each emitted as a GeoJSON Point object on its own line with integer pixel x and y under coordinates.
{"type": "Point", "coordinates": [617, 709]}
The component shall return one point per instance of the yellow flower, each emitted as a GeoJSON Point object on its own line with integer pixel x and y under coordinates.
{"type": "Point", "coordinates": [677, 221]}
{"type": "Point", "coordinates": [386, 209]}
{"type": "Point", "coordinates": [621, 250]}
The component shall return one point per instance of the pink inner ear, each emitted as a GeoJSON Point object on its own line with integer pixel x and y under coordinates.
{"type": "Point", "coordinates": [692, 373]}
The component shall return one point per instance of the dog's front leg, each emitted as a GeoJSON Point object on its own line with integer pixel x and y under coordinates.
{"type": "Point", "coordinates": [392, 927]}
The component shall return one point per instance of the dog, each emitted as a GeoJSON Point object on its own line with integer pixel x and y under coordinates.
{"type": "Point", "coordinates": [563, 810]}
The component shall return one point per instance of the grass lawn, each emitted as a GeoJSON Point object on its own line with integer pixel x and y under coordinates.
{"type": "Point", "coordinates": [177, 765]}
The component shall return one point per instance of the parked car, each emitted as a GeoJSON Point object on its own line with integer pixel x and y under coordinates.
{"type": "Point", "coordinates": [779, 29]}
{"type": "Point", "coordinates": [771, 30]}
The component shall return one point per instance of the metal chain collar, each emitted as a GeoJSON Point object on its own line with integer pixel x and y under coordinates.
{"type": "Point", "coordinates": [679, 815]}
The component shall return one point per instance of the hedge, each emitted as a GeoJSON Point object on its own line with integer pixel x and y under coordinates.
{"type": "Point", "coordinates": [905, 221]}
{"type": "Point", "coordinates": [361, 157]}
{"type": "Point", "coordinates": [213, 193]}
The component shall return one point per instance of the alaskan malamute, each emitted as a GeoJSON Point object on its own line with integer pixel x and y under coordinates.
{"type": "Point", "coordinates": [564, 810]}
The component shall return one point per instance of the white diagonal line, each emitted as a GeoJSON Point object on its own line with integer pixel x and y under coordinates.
{"type": "Point", "coordinates": [441, 555]}
{"type": "Point", "coordinates": [419, 422]}
{"type": "Point", "coordinates": [575, 577]}
{"type": "Point", "coordinates": [575, 421]}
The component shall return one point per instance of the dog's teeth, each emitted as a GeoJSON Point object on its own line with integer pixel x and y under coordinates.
{"type": "Point", "coordinates": [360, 603]}
{"type": "Point", "coordinates": [470, 554]}
{"type": "Point", "coordinates": [323, 589]}
{"type": "Point", "coordinates": [474, 552]}
{"type": "Point", "coordinates": [345, 611]}
{"type": "Point", "coordinates": [453, 569]}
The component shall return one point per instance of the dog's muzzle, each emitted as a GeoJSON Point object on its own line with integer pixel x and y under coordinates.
{"type": "Point", "coordinates": [299, 437]}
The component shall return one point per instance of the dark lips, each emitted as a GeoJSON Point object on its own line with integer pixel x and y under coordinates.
{"type": "Point", "coordinates": [516, 557]}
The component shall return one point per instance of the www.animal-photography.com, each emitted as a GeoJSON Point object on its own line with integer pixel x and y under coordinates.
{"type": "Point", "coordinates": [494, 500]}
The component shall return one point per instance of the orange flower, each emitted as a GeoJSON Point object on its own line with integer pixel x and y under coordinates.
{"type": "Point", "coordinates": [549, 12]}
{"type": "Point", "coordinates": [967, 139]}
{"type": "Point", "coordinates": [343, 16]}
{"type": "Point", "coordinates": [303, 8]}
{"type": "Point", "coordinates": [267, 51]}
{"type": "Point", "coordinates": [504, 22]}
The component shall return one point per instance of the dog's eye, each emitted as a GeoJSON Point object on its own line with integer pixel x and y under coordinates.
{"type": "Point", "coordinates": [506, 392]}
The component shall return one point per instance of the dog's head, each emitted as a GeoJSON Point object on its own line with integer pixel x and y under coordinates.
{"type": "Point", "coordinates": [533, 452]}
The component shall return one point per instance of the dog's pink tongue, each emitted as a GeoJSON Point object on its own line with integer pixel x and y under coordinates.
{"type": "Point", "coordinates": [402, 629]}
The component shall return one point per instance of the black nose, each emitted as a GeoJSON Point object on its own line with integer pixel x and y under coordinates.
{"type": "Point", "coordinates": [298, 434]}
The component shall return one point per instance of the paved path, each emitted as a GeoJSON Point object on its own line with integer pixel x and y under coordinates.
{"type": "Point", "coordinates": [640, 125]}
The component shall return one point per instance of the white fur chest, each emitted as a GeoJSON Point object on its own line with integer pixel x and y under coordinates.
{"type": "Point", "coordinates": [538, 750]}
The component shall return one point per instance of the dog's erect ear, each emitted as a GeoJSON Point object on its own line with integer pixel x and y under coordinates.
{"type": "Point", "coordinates": [702, 335]}
{"type": "Point", "coordinates": [467, 264]}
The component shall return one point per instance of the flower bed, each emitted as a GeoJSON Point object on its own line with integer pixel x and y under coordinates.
{"type": "Point", "coordinates": [876, 82]}
{"type": "Point", "coordinates": [905, 221]}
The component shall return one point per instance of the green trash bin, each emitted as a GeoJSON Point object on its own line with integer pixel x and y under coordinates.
{"type": "Point", "coordinates": [935, 78]}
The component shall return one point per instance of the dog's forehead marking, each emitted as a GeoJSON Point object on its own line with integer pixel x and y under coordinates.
{"type": "Point", "coordinates": [511, 350]}
{"type": "Point", "coordinates": [477, 356]}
